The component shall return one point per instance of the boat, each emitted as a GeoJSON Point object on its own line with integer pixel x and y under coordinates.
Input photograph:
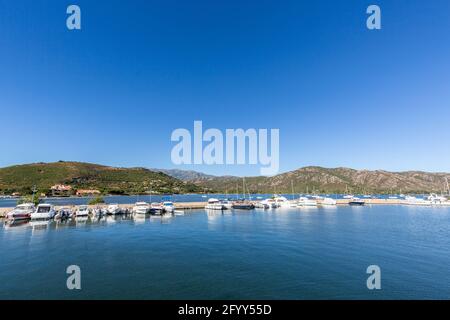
{"type": "Point", "coordinates": [356, 202]}
{"type": "Point", "coordinates": [281, 201]}
{"type": "Point", "coordinates": [21, 212]}
{"type": "Point", "coordinates": [306, 202]}
{"type": "Point", "coordinates": [168, 206]}
{"type": "Point", "coordinates": [98, 212]}
{"type": "Point", "coordinates": [328, 202]}
{"type": "Point", "coordinates": [243, 205]}
{"type": "Point", "coordinates": [156, 208]}
{"type": "Point", "coordinates": [215, 204]}
{"type": "Point", "coordinates": [436, 200]}
{"type": "Point", "coordinates": [114, 209]}
{"type": "Point", "coordinates": [349, 196]}
{"type": "Point", "coordinates": [271, 203]}
{"type": "Point", "coordinates": [82, 211]}
{"type": "Point", "coordinates": [63, 213]}
{"type": "Point", "coordinates": [43, 211]}
{"type": "Point", "coordinates": [260, 205]}
{"type": "Point", "coordinates": [409, 200]}
{"type": "Point", "coordinates": [228, 204]}
{"type": "Point", "coordinates": [141, 208]}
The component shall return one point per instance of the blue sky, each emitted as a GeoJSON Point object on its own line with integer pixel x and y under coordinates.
{"type": "Point", "coordinates": [340, 94]}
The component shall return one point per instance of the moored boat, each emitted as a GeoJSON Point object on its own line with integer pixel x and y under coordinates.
{"type": "Point", "coordinates": [306, 202]}
{"type": "Point", "coordinates": [82, 211]}
{"type": "Point", "coordinates": [168, 206]}
{"type": "Point", "coordinates": [215, 204]}
{"type": "Point", "coordinates": [156, 208]}
{"type": "Point", "coordinates": [21, 212]}
{"type": "Point", "coordinates": [243, 205]}
{"type": "Point", "coordinates": [114, 209]}
{"type": "Point", "coordinates": [328, 202]}
{"type": "Point", "coordinates": [356, 202]}
{"type": "Point", "coordinates": [141, 208]}
{"type": "Point", "coordinates": [43, 211]}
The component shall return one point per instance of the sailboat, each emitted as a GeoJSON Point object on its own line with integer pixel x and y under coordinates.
{"type": "Point", "coordinates": [243, 204]}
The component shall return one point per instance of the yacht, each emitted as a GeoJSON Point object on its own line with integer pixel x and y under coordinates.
{"type": "Point", "coordinates": [271, 203]}
{"type": "Point", "coordinates": [141, 208]}
{"type": "Point", "coordinates": [436, 200]}
{"type": "Point", "coordinates": [21, 212]}
{"type": "Point", "coordinates": [329, 202]}
{"type": "Point", "coordinates": [260, 205]}
{"type": "Point", "coordinates": [114, 209]}
{"type": "Point", "coordinates": [43, 211]}
{"type": "Point", "coordinates": [227, 204]}
{"type": "Point", "coordinates": [416, 201]}
{"type": "Point", "coordinates": [306, 202]}
{"type": "Point", "coordinates": [281, 201]}
{"type": "Point", "coordinates": [83, 211]}
{"type": "Point", "coordinates": [215, 204]}
{"type": "Point", "coordinates": [168, 206]}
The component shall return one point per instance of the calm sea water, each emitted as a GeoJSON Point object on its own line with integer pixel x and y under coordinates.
{"type": "Point", "coordinates": [315, 253]}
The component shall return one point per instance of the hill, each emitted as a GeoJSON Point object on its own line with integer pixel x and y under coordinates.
{"type": "Point", "coordinates": [332, 180]}
{"type": "Point", "coordinates": [22, 178]}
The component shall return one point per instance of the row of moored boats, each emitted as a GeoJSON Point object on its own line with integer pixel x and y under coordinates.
{"type": "Point", "coordinates": [44, 211]}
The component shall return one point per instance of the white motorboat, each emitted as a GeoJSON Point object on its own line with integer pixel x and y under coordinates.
{"type": "Point", "coordinates": [271, 203]}
{"type": "Point", "coordinates": [437, 200]}
{"type": "Point", "coordinates": [82, 211]}
{"type": "Point", "coordinates": [43, 211]}
{"type": "Point", "coordinates": [281, 202]}
{"type": "Point", "coordinates": [141, 208]}
{"type": "Point", "coordinates": [349, 196]}
{"type": "Point", "coordinates": [307, 202]}
{"type": "Point", "coordinates": [168, 206]}
{"type": "Point", "coordinates": [416, 201]}
{"type": "Point", "coordinates": [227, 204]}
{"type": "Point", "coordinates": [21, 212]}
{"type": "Point", "coordinates": [114, 209]}
{"type": "Point", "coordinates": [63, 213]}
{"type": "Point", "coordinates": [214, 204]}
{"type": "Point", "coordinates": [329, 202]}
{"type": "Point", "coordinates": [98, 212]}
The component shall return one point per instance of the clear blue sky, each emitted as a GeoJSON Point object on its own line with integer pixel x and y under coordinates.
{"type": "Point", "coordinates": [340, 94]}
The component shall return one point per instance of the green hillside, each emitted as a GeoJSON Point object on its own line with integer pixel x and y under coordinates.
{"type": "Point", "coordinates": [22, 178]}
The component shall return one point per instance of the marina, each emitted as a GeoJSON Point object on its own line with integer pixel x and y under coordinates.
{"type": "Point", "coordinates": [223, 203]}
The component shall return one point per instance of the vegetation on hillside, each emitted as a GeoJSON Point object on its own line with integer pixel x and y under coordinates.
{"type": "Point", "coordinates": [108, 180]}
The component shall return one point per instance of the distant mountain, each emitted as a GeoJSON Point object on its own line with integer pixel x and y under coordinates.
{"type": "Point", "coordinates": [326, 180]}
{"type": "Point", "coordinates": [22, 178]}
{"type": "Point", "coordinates": [186, 175]}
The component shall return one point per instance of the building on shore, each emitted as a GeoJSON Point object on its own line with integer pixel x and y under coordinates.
{"type": "Point", "coordinates": [60, 190]}
{"type": "Point", "coordinates": [87, 193]}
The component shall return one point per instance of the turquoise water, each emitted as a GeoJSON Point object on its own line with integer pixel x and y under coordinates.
{"type": "Point", "coordinates": [315, 253]}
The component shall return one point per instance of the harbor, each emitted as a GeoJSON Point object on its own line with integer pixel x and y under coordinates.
{"type": "Point", "coordinates": [269, 203]}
